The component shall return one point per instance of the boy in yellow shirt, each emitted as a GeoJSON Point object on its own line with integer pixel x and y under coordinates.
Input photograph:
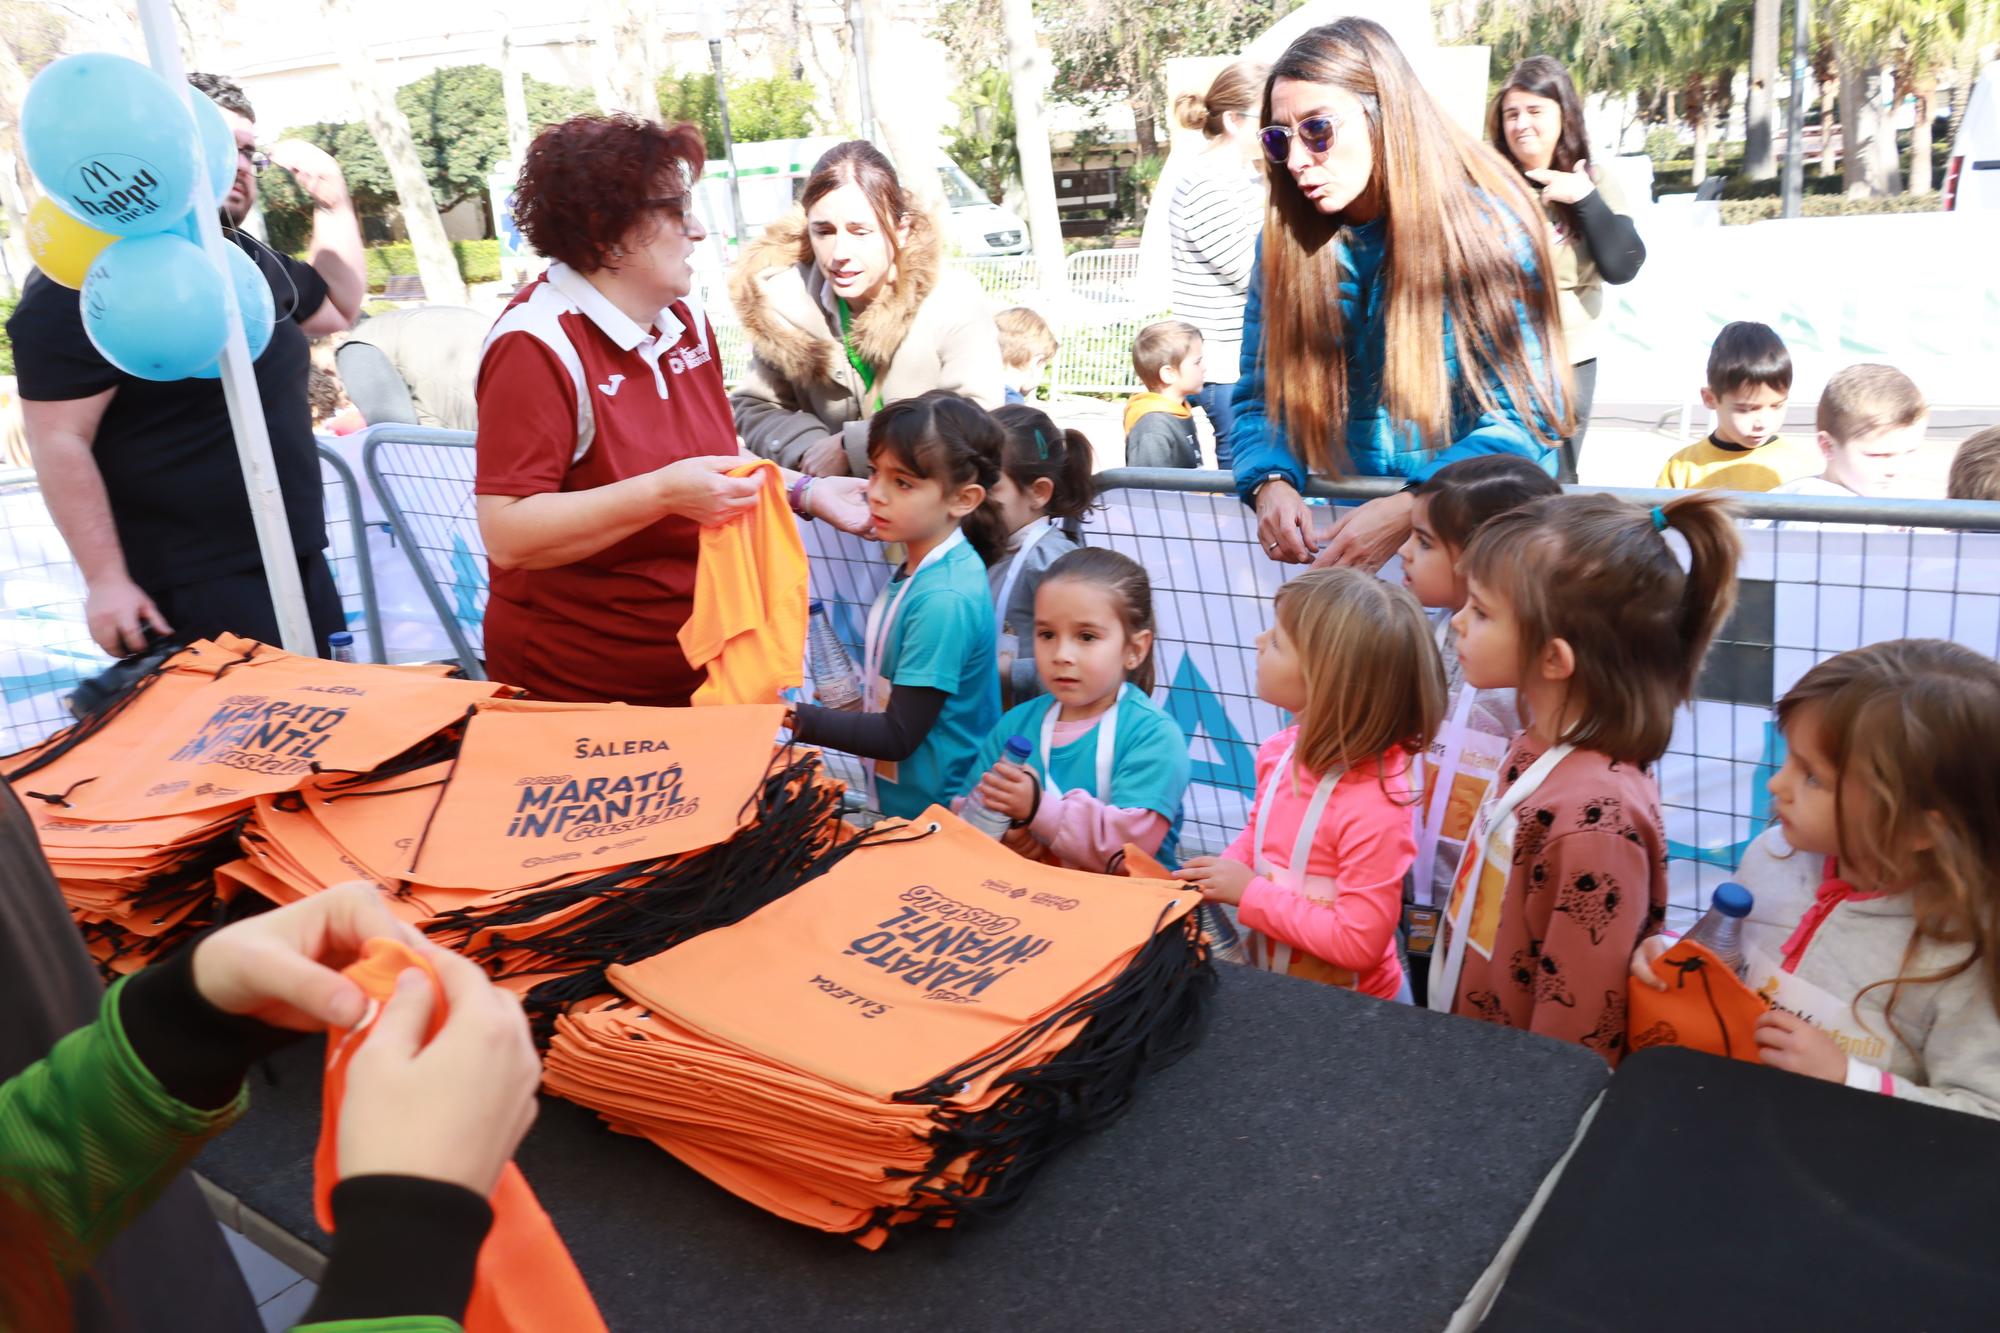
{"type": "Point", "coordinates": [1749, 381]}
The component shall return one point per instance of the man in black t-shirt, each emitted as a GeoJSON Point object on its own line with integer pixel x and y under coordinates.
{"type": "Point", "coordinates": [142, 477]}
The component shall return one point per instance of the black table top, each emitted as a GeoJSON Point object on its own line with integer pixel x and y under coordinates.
{"type": "Point", "coordinates": [1714, 1194]}
{"type": "Point", "coordinates": [1321, 1160]}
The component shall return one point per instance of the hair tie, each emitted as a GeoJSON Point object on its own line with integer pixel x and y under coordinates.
{"type": "Point", "coordinates": [1659, 519]}
{"type": "Point", "coordinates": [1041, 445]}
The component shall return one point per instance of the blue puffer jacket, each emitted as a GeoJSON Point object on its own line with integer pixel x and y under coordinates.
{"type": "Point", "coordinates": [1377, 445]}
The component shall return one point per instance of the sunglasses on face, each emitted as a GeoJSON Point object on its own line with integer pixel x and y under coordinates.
{"type": "Point", "coordinates": [256, 157]}
{"type": "Point", "coordinates": [1315, 132]}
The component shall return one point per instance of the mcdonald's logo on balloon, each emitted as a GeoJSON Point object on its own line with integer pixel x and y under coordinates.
{"type": "Point", "coordinates": [112, 143]}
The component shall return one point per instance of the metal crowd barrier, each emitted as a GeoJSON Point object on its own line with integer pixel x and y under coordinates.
{"type": "Point", "coordinates": [45, 644]}
{"type": "Point", "coordinates": [1819, 576]}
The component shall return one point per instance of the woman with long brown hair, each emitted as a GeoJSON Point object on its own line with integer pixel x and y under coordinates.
{"type": "Point", "coordinates": [849, 308]}
{"type": "Point", "coordinates": [1536, 122]}
{"type": "Point", "coordinates": [1399, 320]}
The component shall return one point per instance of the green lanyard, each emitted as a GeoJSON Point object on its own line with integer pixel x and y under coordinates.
{"type": "Point", "coordinates": [854, 358]}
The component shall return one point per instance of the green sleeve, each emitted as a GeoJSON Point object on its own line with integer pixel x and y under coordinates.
{"type": "Point", "coordinates": [89, 1138]}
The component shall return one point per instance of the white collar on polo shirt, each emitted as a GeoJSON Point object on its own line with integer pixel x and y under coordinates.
{"type": "Point", "coordinates": [616, 324]}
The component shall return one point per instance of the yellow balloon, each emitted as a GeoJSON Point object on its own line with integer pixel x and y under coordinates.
{"type": "Point", "coordinates": [63, 248]}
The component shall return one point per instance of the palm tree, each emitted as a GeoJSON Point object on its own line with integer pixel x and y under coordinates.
{"type": "Point", "coordinates": [1760, 158]}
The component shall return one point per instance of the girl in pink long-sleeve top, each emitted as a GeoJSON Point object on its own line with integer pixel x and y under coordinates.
{"type": "Point", "coordinates": [1317, 876]}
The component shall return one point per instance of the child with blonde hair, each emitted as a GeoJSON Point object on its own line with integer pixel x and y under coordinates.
{"type": "Point", "coordinates": [1317, 876]}
{"type": "Point", "coordinates": [1875, 929]}
{"type": "Point", "coordinates": [1579, 605]}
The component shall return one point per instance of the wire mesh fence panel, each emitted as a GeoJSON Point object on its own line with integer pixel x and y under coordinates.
{"type": "Point", "coordinates": [347, 555]}
{"type": "Point", "coordinates": [1808, 590]}
{"type": "Point", "coordinates": [1110, 269]}
{"type": "Point", "coordinates": [846, 574]}
{"type": "Point", "coordinates": [1007, 279]}
{"type": "Point", "coordinates": [423, 479]}
{"type": "Point", "coordinates": [732, 344]}
{"type": "Point", "coordinates": [1095, 339]}
{"type": "Point", "coordinates": [45, 644]}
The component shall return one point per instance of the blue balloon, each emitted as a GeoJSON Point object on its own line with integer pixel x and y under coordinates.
{"type": "Point", "coordinates": [254, 300]}
{"type": "Point", "coordinates": [112, 144]}
{"type": "Point", "coordinates": [218, 144]}
{"type": "Point", "coordinates": [152, 306]}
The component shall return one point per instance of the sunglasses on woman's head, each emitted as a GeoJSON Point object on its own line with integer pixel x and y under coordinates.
{"type": "Point", "coordinates": [1315, 132]}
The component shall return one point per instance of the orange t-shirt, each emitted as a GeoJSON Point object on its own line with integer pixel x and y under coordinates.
{"type": "Point", "coordinates": [748, 626]}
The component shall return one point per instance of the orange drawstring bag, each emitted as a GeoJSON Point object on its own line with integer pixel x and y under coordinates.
{"type": "Point", "coordinates": [748, 623]}
{"type": "Point", "coordinates": [538, 792]}
{"type": "Point", "coordinates": [526, 1281]}
{"type": "Point", "coordinates": [1705, 1007]}
{"type": "Point", "coordinates": [900, 1040]}
{"type": "Point", "coordinates": [242, 735]}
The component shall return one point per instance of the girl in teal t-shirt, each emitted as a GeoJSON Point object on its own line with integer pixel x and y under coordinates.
{"type": "Point", "coordinates": [1108, 765]}
{"type": "Point", "coordinates": [930, 673]}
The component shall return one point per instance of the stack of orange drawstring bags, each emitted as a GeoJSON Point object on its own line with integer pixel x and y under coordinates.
{"type": "Point", "coordinates": [138, 805]}
{"type": "Point", "coordinates": [902, 1041]}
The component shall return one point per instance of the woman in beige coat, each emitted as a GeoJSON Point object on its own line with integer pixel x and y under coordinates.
{"type": "Point", "coordinates": [849, 307]}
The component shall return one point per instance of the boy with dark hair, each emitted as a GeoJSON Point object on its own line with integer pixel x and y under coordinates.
{"type": "Point", "coordinates": [1749, 381]}
{"type": "Point", "coordinates": [1159, 424]}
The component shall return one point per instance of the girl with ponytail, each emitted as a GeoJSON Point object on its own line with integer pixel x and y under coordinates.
{"type": "Point", "coordinates": [1045, 478]}
{"type": "Point", "coordinates": [1579, 605]}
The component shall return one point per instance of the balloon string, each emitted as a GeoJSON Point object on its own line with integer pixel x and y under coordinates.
{"type": "Point", "coordinates": [293, 308]}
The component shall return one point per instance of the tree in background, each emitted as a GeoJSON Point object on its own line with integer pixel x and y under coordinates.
{"type": "Point", "coordinates": [1119, 48]}
{"type": "Point", "coordinates": [458, 124]}
{"type": "Point", "coordinates": [984, 143]}
{"type": "Point", "coordinates": [390, 129]}
{"type": "Point", "coordinates": [760, 110]}
{"type": "Point", "coordinates": [1760, 157]}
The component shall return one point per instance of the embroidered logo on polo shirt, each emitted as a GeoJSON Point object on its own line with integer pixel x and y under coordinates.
{"type": "Point", "coordinates": [611, 390]}
{"type": "Point", "coordinates": [687, 358]}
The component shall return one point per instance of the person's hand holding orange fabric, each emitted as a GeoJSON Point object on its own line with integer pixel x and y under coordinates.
{"type": "Point", "coordinates": [283, 967]}
{"type": "Point", "coordinates": [452, 1108]}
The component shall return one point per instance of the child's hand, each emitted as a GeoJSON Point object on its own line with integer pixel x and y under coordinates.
{"type": "Point", "coordinates": [1009, 789]}
{"type": "Point", "coordinates": [1646, 955]}
{"type": "Point", "coordinates": [1788, 1042]}
{"type": "Point", "coordinates": [1220, 879]}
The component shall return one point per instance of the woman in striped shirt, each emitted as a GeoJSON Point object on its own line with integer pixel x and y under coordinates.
{"type": "Point", "coordinates": [1216, 212]}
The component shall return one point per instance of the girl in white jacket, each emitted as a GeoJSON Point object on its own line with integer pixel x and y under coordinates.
{"type": "Point", "coordinates": [1876, 929]}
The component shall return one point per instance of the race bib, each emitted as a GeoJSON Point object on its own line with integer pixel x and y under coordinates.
{"type": "Point", "coordinates": [1817, 1005]}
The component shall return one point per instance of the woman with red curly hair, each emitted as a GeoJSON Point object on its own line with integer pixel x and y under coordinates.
{"type": "Point", "coordinates": [605, 435]}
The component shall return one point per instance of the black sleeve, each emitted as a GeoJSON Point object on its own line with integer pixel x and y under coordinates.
{"type": "Point", "coordinates": [54, 360]}
{"type": "Point", "coordinates": [893, 734]}
{"type": "Point", "coordinates": [1613, 240]}
{"type": "Point", "coordinates": [300, 278]}
{"type": "Point", "coordinates": [403, 1246]}
{"type": "Point", "coordinates": [198, 1053]}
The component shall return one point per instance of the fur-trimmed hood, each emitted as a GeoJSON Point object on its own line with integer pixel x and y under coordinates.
{"type": "Point", "coordinates": [776, 289]}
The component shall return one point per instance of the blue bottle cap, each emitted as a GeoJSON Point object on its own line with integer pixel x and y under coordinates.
{"type": "Point", "coordinates": [814, 607]}
{"type": "Point", "coordinates": [340, 638]}
{"type": "Point", "coordinates": [1018, 748]}
{"type": "Point", "coordinates": [1732, 899]}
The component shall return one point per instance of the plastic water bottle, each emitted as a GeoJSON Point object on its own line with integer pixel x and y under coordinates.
{"type": "Point", "coordinates": [993, 823]}
{"type": "Point", "coordinates": [1224, 942]}
{"type": "Point", "coordinates": [835, 683]}
{"type": "Point", "coordinates": [1720, 931]}
{"type": "Point", "coordinates": [341, 644]}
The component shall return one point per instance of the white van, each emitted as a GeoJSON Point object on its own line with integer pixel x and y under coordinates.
{"type": "Point", "coordinates": [770, 176]}
{"type": "Point", "coordinates": [1972, 176]}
